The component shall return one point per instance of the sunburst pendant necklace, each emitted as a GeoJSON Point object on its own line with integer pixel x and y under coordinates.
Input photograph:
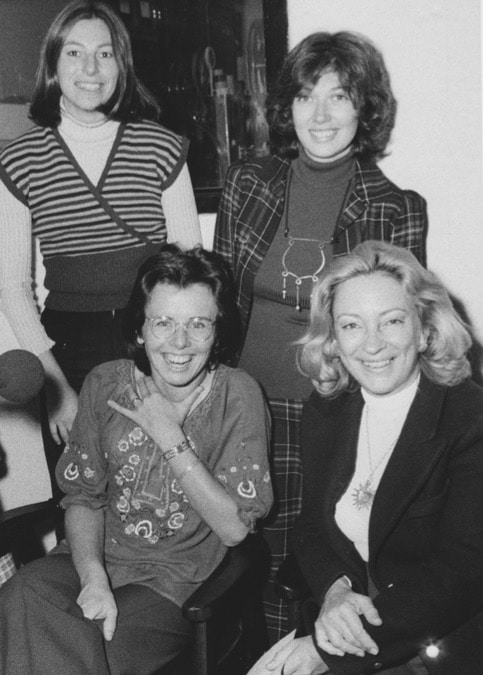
{"type": "Point", "coordinates": [363, 496]}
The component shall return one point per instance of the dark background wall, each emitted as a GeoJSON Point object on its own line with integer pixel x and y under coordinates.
{"type": "Point", "coordinates": [23, 24]}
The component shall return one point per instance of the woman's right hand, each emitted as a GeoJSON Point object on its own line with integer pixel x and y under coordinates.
{"type": "Point", "coordinates": [159, 417]}
{"type": "Point", "coordinates": [62, 409]}
{"type": "Point", "coordinates": [97, 602]}
{"type": "Point", "coordinates": [62, 400]}
{"type": "Point", "coordinates": [338, 628]}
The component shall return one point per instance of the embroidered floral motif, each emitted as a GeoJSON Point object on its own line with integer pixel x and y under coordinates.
{"type": "Point", "coordinates": [176, 487]}
{"type": "Point", "coordinates": [246, 489]}
{"type": "Point", "coordinates": [123, 505]}
{"type": "Point", "coordinates": [89, 473]}
{"type": "Point", "coordinates": [243, 475]}
{"type": "Point", "coordinates": [140, 489]}
{"type": "Point", "coordinates": [144, 529]}
{"type": "Point", "coordinates": [137, 436]}
{"type": "Point", "coordinates": [176, 521]}
{"type": "Point", "coordinates": [128, 473]}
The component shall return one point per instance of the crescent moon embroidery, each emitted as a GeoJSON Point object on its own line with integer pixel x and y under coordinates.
{"type": "Point", "coordinates": [72, 472]}
{"type": "Point", "coordinates": [249, 491]}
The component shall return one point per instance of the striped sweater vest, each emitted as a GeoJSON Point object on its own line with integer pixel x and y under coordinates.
{"type": "Point", "coordinates": [90, 261]}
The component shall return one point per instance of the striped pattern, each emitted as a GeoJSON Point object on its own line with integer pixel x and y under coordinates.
{"type": "Point", "coordinates": [40, 170]}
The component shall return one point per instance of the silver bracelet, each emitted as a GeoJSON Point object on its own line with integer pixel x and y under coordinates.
{"type": "Point", "coordinates": [178, 449]}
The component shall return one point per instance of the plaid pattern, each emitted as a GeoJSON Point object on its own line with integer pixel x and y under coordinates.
{"type": "Point", "coordinates": [7, 567]}
{"type": "Point", "coordinates": [252, 206]}
{"type": "Point", "coordinates": [287, 483]}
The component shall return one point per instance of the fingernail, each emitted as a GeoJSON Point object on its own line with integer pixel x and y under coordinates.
{"type": "Point", "coordinates": [374, 651]}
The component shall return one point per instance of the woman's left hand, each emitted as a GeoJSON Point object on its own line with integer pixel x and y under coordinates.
{"type": "Point", "coordinates": [298, 657]}
{"type": "Point", "coordinates": [338, 628]}
{"type": "Point", "coordinates": [156, 414]}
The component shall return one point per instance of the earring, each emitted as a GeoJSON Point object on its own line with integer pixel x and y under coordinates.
{"type": "Point", "coordinates": [139, 340]}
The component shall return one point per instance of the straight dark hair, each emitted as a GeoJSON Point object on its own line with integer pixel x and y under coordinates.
{"type": "Point", "coordinates": [130, 101]}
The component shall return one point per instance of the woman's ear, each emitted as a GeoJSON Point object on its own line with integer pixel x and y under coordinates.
{"type": "Point", "coordinates": [139, 339]}
{"type": "Point", "coordinates": [423, 340]}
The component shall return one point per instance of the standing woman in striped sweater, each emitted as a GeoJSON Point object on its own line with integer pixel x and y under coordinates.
{"type": "Point", "coordinates": [101, 185]}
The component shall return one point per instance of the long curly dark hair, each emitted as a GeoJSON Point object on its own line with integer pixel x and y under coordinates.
{"type": "Point", "coordinates": [362, 73]}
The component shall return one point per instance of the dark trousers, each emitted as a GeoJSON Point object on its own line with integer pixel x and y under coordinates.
{"type": "Point", "coordinates": [83, 340]}
{"type": "Point", "coordinates": [43, 631]}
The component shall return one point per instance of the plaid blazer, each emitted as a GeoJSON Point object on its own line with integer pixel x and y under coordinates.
{"type": "Point", "coordinates": [253, 202]}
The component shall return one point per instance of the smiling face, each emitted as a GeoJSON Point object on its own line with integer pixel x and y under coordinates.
{"type": "Point", "coordinates": [87, 69]}
{"type": "Point", "coordinates": [325, 119]}
{"type": "Point", "coordinates": [178, 363]}
{"type": "Point", "coordinates": [378, 332]}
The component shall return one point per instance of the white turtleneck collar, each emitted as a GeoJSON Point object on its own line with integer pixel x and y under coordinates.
{"type": "Point", "coordinates": [81, 138]}
{"type": "Point", "coordinates": [70, 129]}
{"type": "Point", "coordinates": [392, 403]}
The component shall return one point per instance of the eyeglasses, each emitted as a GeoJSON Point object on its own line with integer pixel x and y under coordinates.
{"type": "Point", "coordinates": [198, 328]}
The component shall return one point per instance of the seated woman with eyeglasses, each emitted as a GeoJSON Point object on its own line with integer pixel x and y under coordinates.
{"type": "Point", "coordinates": [166, 467]}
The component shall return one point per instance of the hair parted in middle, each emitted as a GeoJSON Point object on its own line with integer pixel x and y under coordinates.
{"type": "Point", "coordinates": [444, 360]}
{"type": "Point", "coordinates": [362, 73]}
{"type": "Point", "coordinates": [180, 268]}
{"type": "Point", "coordinates": [130, 101]}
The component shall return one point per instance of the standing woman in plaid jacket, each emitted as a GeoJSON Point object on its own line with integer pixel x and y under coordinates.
{"type": "Point", "coordinates": [283, 218]}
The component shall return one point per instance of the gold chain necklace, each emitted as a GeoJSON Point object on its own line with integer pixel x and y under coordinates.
{"type": "Point", "coordinates": [363, 496]}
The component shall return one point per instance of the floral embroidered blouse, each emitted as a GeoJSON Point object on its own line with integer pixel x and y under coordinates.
{"type": "Point", "coordinates": [152, 535]}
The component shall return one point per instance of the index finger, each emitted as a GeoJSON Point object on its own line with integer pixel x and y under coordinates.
{"type": "Point", "coordinates": [109, 625]}
{"type": "Point", "coordinates": [359, 636]}
{"type": "Point", "coordinates": [54, 433]}
{"type": "Point", "coordinates": [124, 411]}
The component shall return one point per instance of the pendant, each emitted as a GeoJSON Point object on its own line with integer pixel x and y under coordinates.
{"type": "Point", "coordinates": [284, 288]}
{"type": "Point", "coordinates": [363, 495]}
{"type": "Point", "coordinates": [314, 276]}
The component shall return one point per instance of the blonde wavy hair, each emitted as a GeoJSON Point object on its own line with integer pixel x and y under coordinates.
{"type": "Point", "coordinates": [444, 361]}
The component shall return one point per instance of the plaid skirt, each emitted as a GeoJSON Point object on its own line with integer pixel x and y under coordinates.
{"type": "Point", "coordinates": [287, 483]}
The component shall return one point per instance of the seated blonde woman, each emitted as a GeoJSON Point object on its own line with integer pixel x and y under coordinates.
{"type": "Point", "coordinates": [390, 538]}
